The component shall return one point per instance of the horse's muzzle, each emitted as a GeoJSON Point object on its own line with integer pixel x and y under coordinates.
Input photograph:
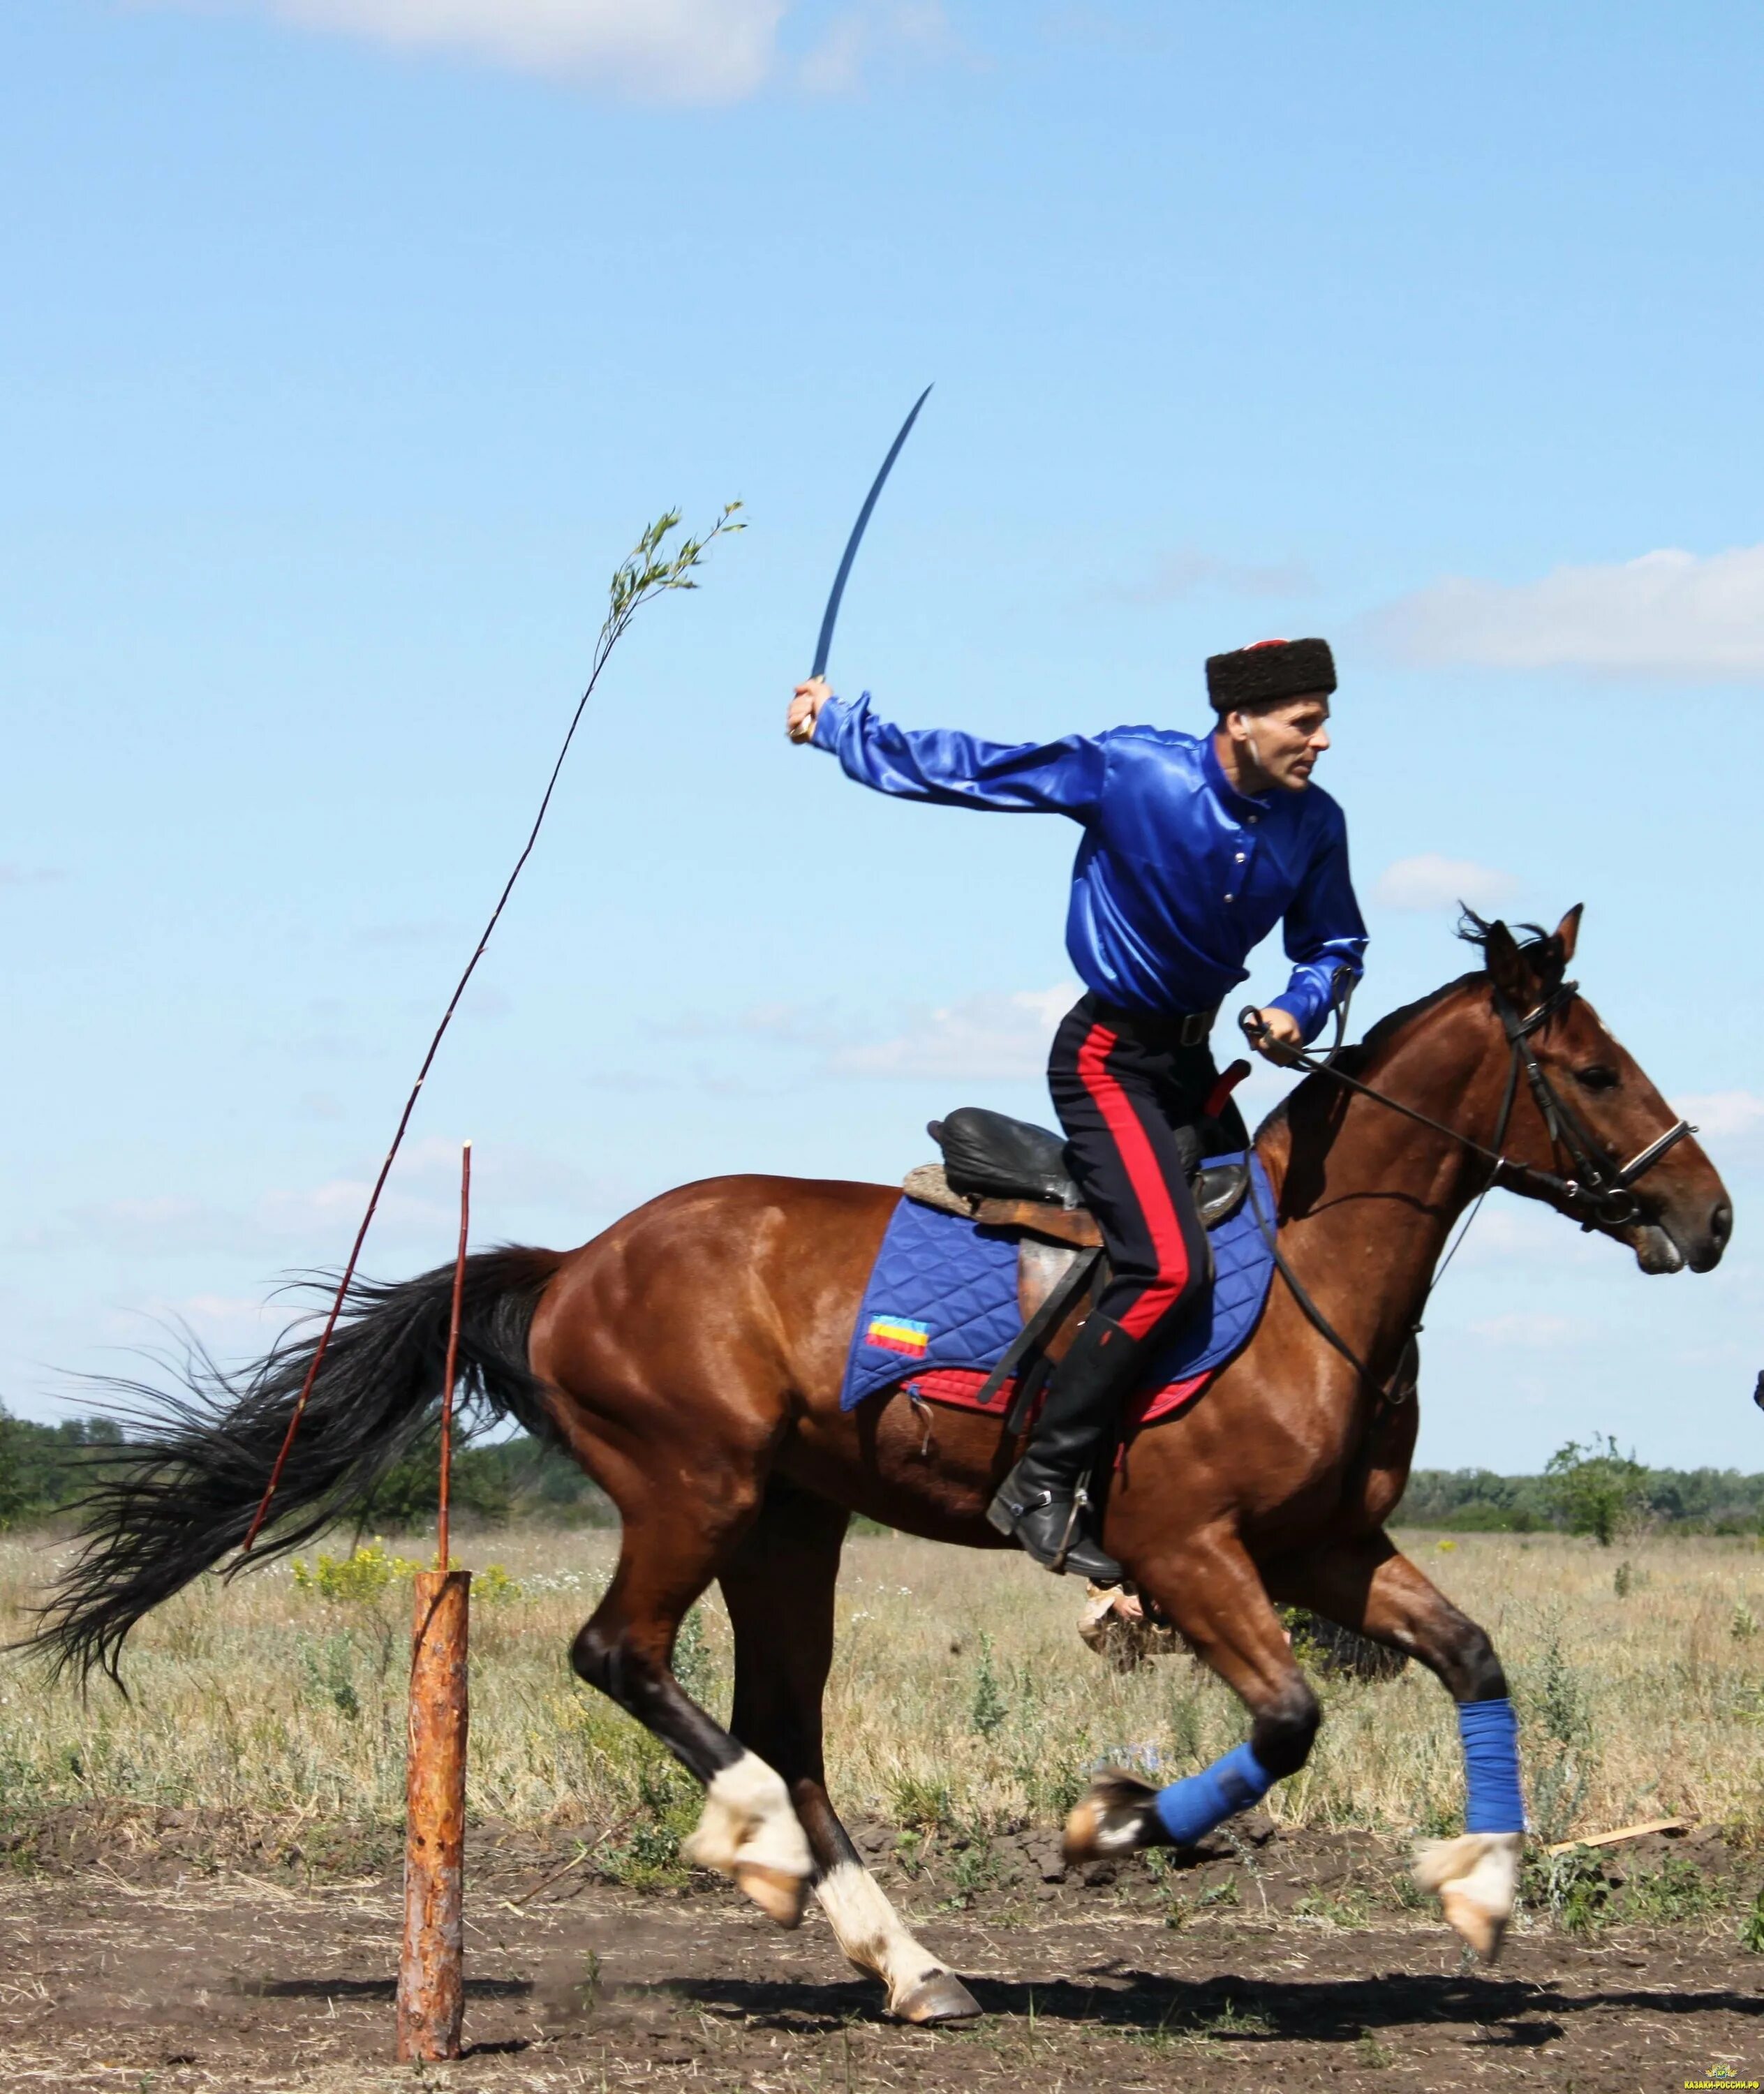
{"type": "Point", "coordinates": [1668, 1241]}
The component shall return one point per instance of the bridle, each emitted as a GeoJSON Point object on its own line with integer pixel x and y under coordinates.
{"type": "Point", "coordinates": [1598, 1195]}
{"type": "Point", "coordinates": [1601, 1187]}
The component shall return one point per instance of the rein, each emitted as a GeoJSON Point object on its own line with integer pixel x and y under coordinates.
{"type": "Point", "coordinates": [1601, 1192]}
{"type": "Point", "coordinates": [1600, 1196]}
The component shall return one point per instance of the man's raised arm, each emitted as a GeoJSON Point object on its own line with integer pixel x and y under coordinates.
{"type": "Point", "coordinates": [947, 768]}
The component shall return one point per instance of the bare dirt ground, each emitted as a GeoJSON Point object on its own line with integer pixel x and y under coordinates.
{"type": "Point", "coordinates": [179, 1954]}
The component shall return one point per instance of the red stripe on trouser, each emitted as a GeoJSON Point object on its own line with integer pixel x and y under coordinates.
{"type": "Point", "coordinates": [1159, 1295]}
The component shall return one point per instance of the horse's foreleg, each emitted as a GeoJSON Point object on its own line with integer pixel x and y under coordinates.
{"type": "Point", "coordinates": [1367, 1586]}
{"type": "Point", "coordinates": [1209, 1588]}
{"type": "Point", "coordinates": [748, 1830]}
{"type": "Point", "coordinates": [779, 1588]}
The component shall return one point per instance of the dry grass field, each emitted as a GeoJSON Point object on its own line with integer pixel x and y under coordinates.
{"type": "Point", "coordinates": [961, 1695]}
{"type": "Point", "coordinates": [203, 1893]}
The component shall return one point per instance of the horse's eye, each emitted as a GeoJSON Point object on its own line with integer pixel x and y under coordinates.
{"type": "Point", "coordinates": [1597, 1078]}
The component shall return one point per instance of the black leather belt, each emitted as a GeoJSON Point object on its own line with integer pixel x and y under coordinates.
{"type": "Point", "coordinates": [1192, 1028]}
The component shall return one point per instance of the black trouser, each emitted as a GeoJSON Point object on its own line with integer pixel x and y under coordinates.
{"type": "Point", "coordinates": [1130, 1096]}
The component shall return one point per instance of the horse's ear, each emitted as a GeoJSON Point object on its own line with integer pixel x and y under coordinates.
{"type": "Point", "coordinates": [1568, 933]}
{"type": "Point", "coordinates": [1508, 968]}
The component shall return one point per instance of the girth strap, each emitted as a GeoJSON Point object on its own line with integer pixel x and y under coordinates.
{"type": "Point", "coordinates": [1401, 1384]}
{"type": "Point", "coordinates": [1046, 1320]}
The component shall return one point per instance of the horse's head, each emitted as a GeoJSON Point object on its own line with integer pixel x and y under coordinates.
{"type": "Point", "coordinates": [1596, 1106]}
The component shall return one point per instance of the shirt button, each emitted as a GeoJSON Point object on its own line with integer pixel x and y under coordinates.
{"type": "Point", "coordinates": [1253, 819]}
{"type": "Point", "coordinates": [1231, 897]}
{"type": "Point", "coordinates": [1240, 857]}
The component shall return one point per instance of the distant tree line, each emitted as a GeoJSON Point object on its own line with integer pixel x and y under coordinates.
{"type": "Point", "coordinates": [44, 1470]}
{"type": "Point", "coordinates": [41, 1465]}
{"type": "Point", "coordinates": [1593, 1489]}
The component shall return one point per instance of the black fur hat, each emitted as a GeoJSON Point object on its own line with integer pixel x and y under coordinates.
{"type": "Point", "coordinates": [1272, 669]}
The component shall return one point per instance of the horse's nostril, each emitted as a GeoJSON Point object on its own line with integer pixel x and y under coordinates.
{"type": "Point", "coordinates": [1721, 1224]}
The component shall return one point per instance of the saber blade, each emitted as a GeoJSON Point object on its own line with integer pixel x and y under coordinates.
{"type": "Point", "coordinates": [823, 645]}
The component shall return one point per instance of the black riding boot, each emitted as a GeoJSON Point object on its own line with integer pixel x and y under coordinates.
{"type": "Point", "coordinates": [1044, 1504]}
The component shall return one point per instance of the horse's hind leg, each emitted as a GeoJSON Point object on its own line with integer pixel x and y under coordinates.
{"type": "Point", "coordinates": [779, 1587]}
{"type": "Point", "coordinates": [1367, 1585]}
{"type": "Point", "coordinates": [748, 1831]}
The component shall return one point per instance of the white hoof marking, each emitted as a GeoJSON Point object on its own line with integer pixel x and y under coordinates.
{"type": "Point", "coordinates": [1477, 1879]}
{"type": "Point", "coordinates": [748, 1821]}
{"type": "Point", "coordinates": [869, 1932]}
{"type": "Point", "coordinates": [1112, 1817]}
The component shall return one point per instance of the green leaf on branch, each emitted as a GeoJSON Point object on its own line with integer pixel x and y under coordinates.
{"type": "Point", "coordinates": [653, 568]}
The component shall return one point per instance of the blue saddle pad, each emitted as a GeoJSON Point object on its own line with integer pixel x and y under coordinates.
{"type": "Point", "coordinates": [943, 1293]}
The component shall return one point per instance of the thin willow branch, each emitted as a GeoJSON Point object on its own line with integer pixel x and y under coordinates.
{"type": "Point", "coordinates": [651, 569]}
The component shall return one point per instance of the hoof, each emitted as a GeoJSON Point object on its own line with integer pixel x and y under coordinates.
{"type": "Point", "coordinates": [778, 1895]}
{"type": "Point", "coordinates": [1484, 1931]}
{"type": "Point", "coordinates": [1115, 1817]}
{"type": "Point", "coordinates": [939, 1995]}
{"type": "Point", "coordinates": [1476, 1877]}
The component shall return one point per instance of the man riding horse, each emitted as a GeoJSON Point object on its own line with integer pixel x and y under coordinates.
{"type": "Point", "coordinates": [1194, 847]}
{"type": "Point", "coordinates": [691, 1358]}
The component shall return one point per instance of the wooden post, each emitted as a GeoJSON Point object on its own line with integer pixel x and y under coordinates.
{"type": "Point", "coordinates": [431, 1971]}
{"type": "Point", "coordinates": [451, 1374]}
{"type": "Point", "coordinates": [432, 1984]}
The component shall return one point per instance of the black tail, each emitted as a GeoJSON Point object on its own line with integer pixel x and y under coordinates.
{"type": "Point", "coordinates": [181, 1492]}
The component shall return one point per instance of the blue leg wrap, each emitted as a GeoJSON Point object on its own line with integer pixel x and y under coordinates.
{"type": "Point", "coordinates": [1491, 1734]}
{"type": "Point", "coordinates": [1189, 1810]}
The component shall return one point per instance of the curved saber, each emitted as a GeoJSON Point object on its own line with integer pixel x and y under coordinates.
{"type": "Point", "coordinates": [823, 645]}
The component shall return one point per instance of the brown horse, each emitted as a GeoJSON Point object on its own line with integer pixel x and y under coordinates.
{"type": "Point", "coordinates": [691, 1358]}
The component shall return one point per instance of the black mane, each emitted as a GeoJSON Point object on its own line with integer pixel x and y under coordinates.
{"type": "Point", "coordinates": [1536, 942]}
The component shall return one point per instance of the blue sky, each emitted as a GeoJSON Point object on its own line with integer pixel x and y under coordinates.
{"type": "Point", "coordinates": [346, 344]}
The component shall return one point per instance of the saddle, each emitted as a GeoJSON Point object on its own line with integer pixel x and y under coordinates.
{"type": "Point", "coordinates": [1011, 1174]}
{"type": "Point", "coordinates": [1014, 1174]}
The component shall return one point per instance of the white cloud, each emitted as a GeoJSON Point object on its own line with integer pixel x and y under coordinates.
{"type": "Point", "coordinates": [1530, 1328]}
{"type": "Point", "coordinates": [316, 1221]}
{"type": "Point", "coordinates": [1429, 881]}
{"type": "Point", "coordinates": [152, 1225]}
{"type": "Point", "coordinates": [660, 50]}
{"type": "Point", "coordinates": [313, 1224]}
{"type": "Point", "coordinates": [1104, 26]}
{"type": "Point", "coordinates": [1667, 614]}
{"type": "Point", "coordinates": [999, 1038]}
{"type": "Point", "coordinates": [1511, 1232]}
{"type": "Point", "coordinates": [1724, 1115]}
{"type": "Point", "coordinates": [1188, 572]}
{"type": "Point", "coordinates": [228, 1326]}
{"type": "Point", "coordinates": [999, 1035]}
{"type": "Point", "coordinates": [423, 1189]}
{"type": "Point", "coordinates": [1002, 1035]}
{"type": "Point", "coordinates": [877, 28]}
{"type": "Point", "coordinates": [690, 51]}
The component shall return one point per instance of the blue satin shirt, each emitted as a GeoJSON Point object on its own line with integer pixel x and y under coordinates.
{"type": "Point", "coordinates": [1180, 876]}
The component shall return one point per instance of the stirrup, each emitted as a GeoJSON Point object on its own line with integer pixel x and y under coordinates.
{"type": "Point", "coordinates": [1080, 1506]}
{"type": "Point", "coordinates": [1010, 1511]}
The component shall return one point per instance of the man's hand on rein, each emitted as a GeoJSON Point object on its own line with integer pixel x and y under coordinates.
{"type": "Point", "coordinates": [805, 708]}
{"type": "Point", "coordinates": [1279, 1032]}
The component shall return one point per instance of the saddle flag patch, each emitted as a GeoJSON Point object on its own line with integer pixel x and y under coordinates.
{"type": "Point", "coordinates": [898, 1334]}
